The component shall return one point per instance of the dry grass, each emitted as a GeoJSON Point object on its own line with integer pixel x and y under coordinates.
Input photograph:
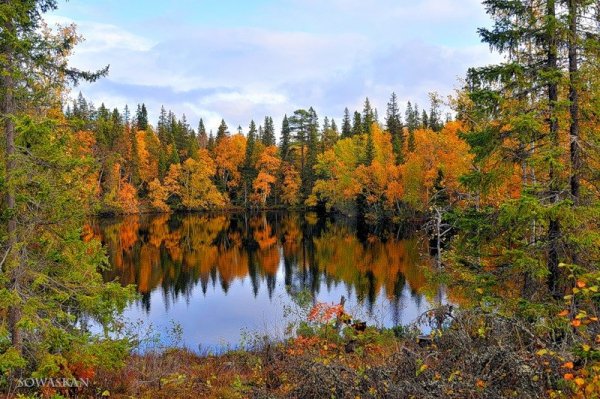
{"type": "Point", "coordinates": [478, 356]}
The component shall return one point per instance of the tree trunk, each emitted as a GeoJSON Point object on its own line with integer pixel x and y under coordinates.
{"type": "Point", "coordinates": [574, 101]}
{"type": "Point", "coordinates": [553, 225]}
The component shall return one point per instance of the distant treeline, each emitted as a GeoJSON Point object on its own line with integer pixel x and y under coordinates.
{"type": "Point", "coordinates": [377, 167]}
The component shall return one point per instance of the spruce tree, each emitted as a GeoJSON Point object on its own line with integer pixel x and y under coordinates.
{"type": "Point", "coordinates": [357, 125]}
{"type": "Point", "coordinates": [529, 35]}
{"type": "Point", "coordinates": [300, 124]}
{"type": "Point", "coordinates": [346, 124]}
{"type": "Point", "coordinates": [286, 136]}
{"type": "Point", "coordinates": [334, 127]}
{"type": "Point", "coordinates": [435, 117]}
{"type": "Point", "coordinates": [202, 136]}
{"type": "Point", "coordinates": [268, 137]}
{"type": "Point", "coordinates": [222, 131]}
{"type": "Point", "coordinates": [368, 117]}
{"type": "Point", "coordinates": [424, 120]}
{"type": "Point", "coordinates": [49, 278]}
{"type": "Point", "coordinates": [248, 169]}
{"type": "Point", "coordinates": [393, 124]}
{"type": "Point", "coordinates": [141, 117]}
{"type": "Point", "coordinates": [163, 126]}
{"type": "Point", "coordinates": [409, 117]}
{"type": "Point", "coordinates": [126, 115]}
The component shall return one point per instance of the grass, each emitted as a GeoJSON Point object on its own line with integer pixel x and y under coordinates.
{"type": "Point", "coordinates": [477, 355]}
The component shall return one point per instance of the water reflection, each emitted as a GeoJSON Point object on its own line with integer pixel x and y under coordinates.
{"type": "Point", "coordinates": [236, 271]}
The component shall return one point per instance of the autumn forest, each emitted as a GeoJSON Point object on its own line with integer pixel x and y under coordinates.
{"type": "Point", "coordinates": [471, 222]}
{"type": "Point", "coordinates": [382, 168]}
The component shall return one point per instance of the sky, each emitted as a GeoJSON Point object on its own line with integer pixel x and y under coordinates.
{"type": "Point", "coordinates": [245, 59]}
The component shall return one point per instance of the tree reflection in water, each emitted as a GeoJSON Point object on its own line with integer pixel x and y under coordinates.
{"type": "Point", "coordinates": [175, 255]}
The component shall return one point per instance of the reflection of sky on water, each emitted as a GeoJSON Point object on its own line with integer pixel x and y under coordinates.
{"type": "Point", "coordinates": [253, 300]}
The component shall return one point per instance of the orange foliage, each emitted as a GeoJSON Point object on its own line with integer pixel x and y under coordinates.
{"type": "Point", "coordinates": [291, 185]}
{"type": "Point", "coordinates": [443, 151]}
{"type": "Point", "coordinates": [229, 155]}
{"type": "Point", "coordinates": [267, 165]}
{"type": "Point", "coordinates": [147, 143]}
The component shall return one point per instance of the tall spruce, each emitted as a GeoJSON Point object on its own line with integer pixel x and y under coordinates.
{"type": "Point", "coordinates": [346, 124]}
{"type": "Point", "coordinates": [524, 90]}
{"type": "Point", "coordinates": [286, 137]}
{"type": "Point", "coordinates": [162, 126]}
{"type": "Point", "coordinates": [202, 136]}
{"type": "Point", "coordinates": [248, 167]}
{"type": "Point", "coordinates": [357, 125]}
{"type": "Point", "coordinates": [368, 117]}
{"type": "Point", "coordinates": [222, 131]}
{"type": "Point", "coordinates": [141, 117]}
{"type": "Point", "coordinates": [393, 123]}
{"type": "Point", "coordinates": [268, 137]}
{"type": "Point", "coordinates": [42, 220]}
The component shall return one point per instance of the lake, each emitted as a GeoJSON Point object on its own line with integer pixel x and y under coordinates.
{"type": "Point", "coordinates": [221, 276]}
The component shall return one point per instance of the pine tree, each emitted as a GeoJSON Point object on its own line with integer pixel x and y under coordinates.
{"type": "Point", "coordinates": [127, 115]}
{"type": "Point", "coordinates": [248, 168]}
{"type": "Point", "coordinates": [581, 56]}
{"type": "Point", "coordinates": [408, 116]}
{"type": "Point", "coordinates": [300, 125]}
{"type": "Point", "coordinates": [393, 124]}
{"type": "Point", "coordinates": [163, 126]}
{"type": "Point", "coordinates": [417, 117]}
{"type": "Point", "coordinates": [305, 125]}
{"type": "Point", "coordinates": [368, 117]}
{"type": "Point", "coordinates": [357, 125]}
{"type": "Point", "coordinates": [141, 117]}
{"type": "Point", "coordinates": [286, 136]}
{"type": "Point", "coordinates": [42, 222]}
{"type": "Point", "coordinates": [268, 137]}
{"type": "Point", "coordinates": [435, 117]}
{"type": "Point", "coordinates": [222, 131]}
{"type": "Point", "coordinates": [326, 125]}
{"type": "Point", "coordinates": [346, 124]}
{"type": "Point", "coordinates": [529, 36]}
{"type": "Point", "coordinates": [202, 136]}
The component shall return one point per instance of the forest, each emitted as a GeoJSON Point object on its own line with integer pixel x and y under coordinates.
{"type": "Point", "coordinates": [502, 177]}
{"type": "Point", "coordinates": [381, 169]}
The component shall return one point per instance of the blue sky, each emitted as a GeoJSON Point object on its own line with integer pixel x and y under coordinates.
{"type": "Point", "coordinates": [244, 59]}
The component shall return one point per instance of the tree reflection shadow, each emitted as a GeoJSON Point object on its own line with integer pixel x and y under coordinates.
{"type": "Point", "coordinates": [175, 253]}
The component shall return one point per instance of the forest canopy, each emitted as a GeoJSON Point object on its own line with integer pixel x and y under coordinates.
{"type": "Point", "coordinates": [505, 187]}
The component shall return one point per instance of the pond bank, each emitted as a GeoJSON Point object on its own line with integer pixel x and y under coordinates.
{"type": "Point", "coordinates": [460, 362]}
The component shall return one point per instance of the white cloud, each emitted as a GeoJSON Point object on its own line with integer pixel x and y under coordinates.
{"type": "Point", "coordinates": [355, 49]}
{"type": "Point", "coordinates": [101, 38]}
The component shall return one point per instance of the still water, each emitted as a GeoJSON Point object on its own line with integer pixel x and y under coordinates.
{"type": "Point", "coordinates": [218, 275]}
